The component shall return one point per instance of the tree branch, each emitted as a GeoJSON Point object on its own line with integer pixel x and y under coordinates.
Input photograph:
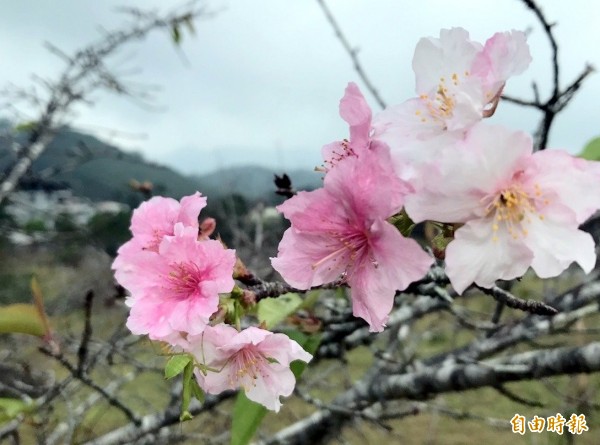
{"type": "Point", "coordinates": [352, 52]}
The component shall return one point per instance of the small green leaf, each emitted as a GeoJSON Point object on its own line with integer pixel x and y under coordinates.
{"type": "Point", "coordinates": [185, 416]}
{"type": "Point", "coordinates": [21, 318]}
{"type": "Point", "coordinates": [11, 408]}
{"type": "Point", "coordinates": [176, 365]}
{"type": "Point", "coordinates": [247, 416]}
{"type": "Point", "coordinates": [440, 242]}
{"type": "Point", "coordinates": [272, 311]}
{"type": "Point", "coordinates": [591, 151]}
{"type": "Point", "coordinates": [186, 396]}
{"type": "Point", "coordinates": [403, 223]}
{"type": "Point", "coordinates": [38, 301]}
{"type": "Point", "coordinates": [197, 391]}
{"type": "Point", "coordinates": [175, 34]}
{"type": "Point", "coordinates": [310, 299]}
{"type": "Point", "coordinates": [25, 126]}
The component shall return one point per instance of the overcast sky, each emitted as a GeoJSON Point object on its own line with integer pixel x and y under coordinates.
{"type": "Point", "coordinates": [261, 81]}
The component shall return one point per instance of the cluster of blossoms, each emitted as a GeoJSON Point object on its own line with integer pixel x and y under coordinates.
{"type": "Point", "coordinates": [508, 207]}
{"type": "Point", "coordinates": [431, 158]}
{"type": "Point", "coordinates": [174, 274]}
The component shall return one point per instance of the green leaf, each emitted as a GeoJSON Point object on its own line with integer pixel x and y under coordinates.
{"type": "Point", "coordinates": [197, 391]}
{"type": "Point", "coordinates": [271, 311]}
{"type": "Point", "coordinates": [176, 365]}
{"type": "Point", "coordinates": [11, 408]}
{"type": "Point", "coordinates": [21, 318]}
{"type": "Point", "coordinates": [175, 34]}
{"type": "Point", "coordinates": [403, 223]}
{"type": "Point", "coordinates": [591, 151]}
{"type": "Point", "coordinates": [247, 416]}
{"type": "Point", "coordinates": [186, 396]}
{"type": "Point", "coordinates": [310, 299]}
{"type": "Point", "coordinates": [25, 126]}
{"type": "Point", "coordinates": [440, 242]}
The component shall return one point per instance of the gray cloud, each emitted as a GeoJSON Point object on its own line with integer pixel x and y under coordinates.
{"type": "Point", "coordinates": [265, 76]}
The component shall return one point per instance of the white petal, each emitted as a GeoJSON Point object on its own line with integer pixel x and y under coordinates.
{"type": "Point", "coordinates": [475, 257]}
{"type": "Point", "coordinates": [555, 246]}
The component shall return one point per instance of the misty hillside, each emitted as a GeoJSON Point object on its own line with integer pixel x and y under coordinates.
{"type": "Point", "coordinates": [100, 171]}
{"type": "Point", "coordinates": [255, 182]}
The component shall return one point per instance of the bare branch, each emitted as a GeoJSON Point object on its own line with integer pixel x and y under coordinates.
{"type": "Point", "coordinates": [85, 72]}
{"type": "Point", "coordinates": [445, 378]}
{"type": "Point", "coordinates": [505, 297]}
{"type": "Point", "coordinates": [352, 52]}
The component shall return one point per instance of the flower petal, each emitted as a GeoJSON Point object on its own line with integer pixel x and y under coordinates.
{"type": "Point", "coordinates": [393, 264]}
{"type": "Point", "coordinates": [434, 58]}
{"type": "Point", "coordinates": [505, 54]}
{"type": "Point", "coordinates": [480, 165]}
{"type": "Point", "coordinates": [555, 246]}
{"type": "Point", "coordinates": [474, 257]}
{"type": "Point", "coordinates": [567, 178]}
{"type": "Point", "coordinates": [307, 259]}
{"type": "Point", "coordinates": [355, 110]}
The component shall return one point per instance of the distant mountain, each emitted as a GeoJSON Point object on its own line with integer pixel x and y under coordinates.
{"type": "Point", "coordinates": [100, 171]}
{"type": "Point", "coordinates": [255, 182]}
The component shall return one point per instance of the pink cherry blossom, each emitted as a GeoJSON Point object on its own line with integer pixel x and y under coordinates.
{"type": "Point", "coordinates": [254, 359]}
{"type": "Point", "coordinates": [176, 289]}
{"type": "Point", "coordinates": [519, 209]}
{"type": "Point", "coordinates": [155, 219]}
{"type": "Point", "coordinates": [341, 231]}
{"type": "Point", "coordinates": [354, 110]}
{"type": "Point", "coordinates": [459, 82]}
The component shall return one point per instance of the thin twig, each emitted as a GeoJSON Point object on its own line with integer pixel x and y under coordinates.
{"type": "Point", "coordinates": [516, 398]}
{"type": "Point", "coordinates": [111, 399]}
{"type": "Point", "coordinates": [533, 306]}
{"type": "Point", "coordinates": [352, 52]}
{"type": "Point", "coordinates": [86, 334]}
{"type": "Point", "coordinates": [559, 99]}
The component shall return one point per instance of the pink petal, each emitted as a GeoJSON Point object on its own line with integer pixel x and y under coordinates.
{"type": "Point", "coordinates": [190, 209]}
{"type": "Point", "coordinates": [355, 110]}
{"type": "Point", "coordinates": [300, 259]}
{"type": "Point", "coordinates": [505, 54]}
{"type": "Point", "coordinates": [393, 264]}
{"type": "Point", "coordinates": [368, 185]}
{"type": "Point", "coordinates": [275, 381]}
{"type": "Point", "coordinates": [283, 349]}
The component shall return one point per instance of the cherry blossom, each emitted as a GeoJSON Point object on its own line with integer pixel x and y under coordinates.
{"type": "Point", "coordinates": [340, 231]}
{"type": "Point", "coordinates": [176, 289]}
{"type": "Point", "coordinates": [254, 359]}
{"type": "Point", "coordinates": [157, 217]}
{"type": "Point", "coordinates": [153, 220]}
{"type": "Point", "coordinates": [458, 82]}
{"type": "Point", "coordinates": [519, 209]}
